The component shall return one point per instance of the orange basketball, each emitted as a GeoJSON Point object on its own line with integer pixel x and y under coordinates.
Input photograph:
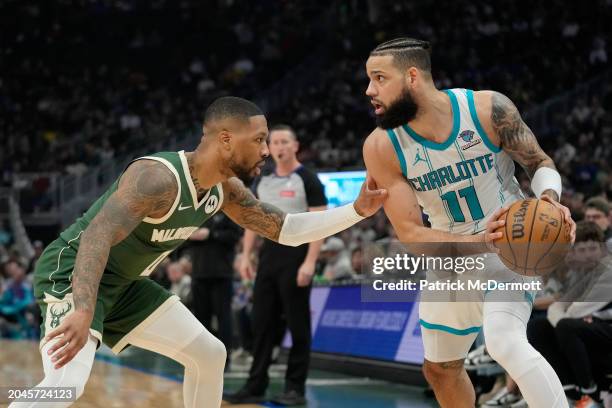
{"type": "Point", "coordinates": [535, 237]}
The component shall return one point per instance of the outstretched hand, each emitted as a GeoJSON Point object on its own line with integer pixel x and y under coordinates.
{"type": "Point", "coordinates": [370, 198]}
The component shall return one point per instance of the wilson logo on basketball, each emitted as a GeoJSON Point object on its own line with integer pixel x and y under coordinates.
{"type": "Point", "coordinates": [518, 222]}
{"type": "Point", "coordinates": [535, 238]}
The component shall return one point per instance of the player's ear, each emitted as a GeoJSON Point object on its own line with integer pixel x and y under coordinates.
{"type": "Point", "coordinates": [412, 75]}
{"type": "Point", "coordinates": [225, 139]}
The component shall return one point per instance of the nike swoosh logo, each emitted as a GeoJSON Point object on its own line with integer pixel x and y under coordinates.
{"type": "Point", "coordinates": [181, 208]}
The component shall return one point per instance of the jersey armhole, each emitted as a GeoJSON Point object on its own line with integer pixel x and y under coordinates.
{"type": "Point", "coordinates": [474, 114]}
{"type": "Point", "coordinates": [166, 163]}
{"type": "Point", "coordinates": [398, 151]}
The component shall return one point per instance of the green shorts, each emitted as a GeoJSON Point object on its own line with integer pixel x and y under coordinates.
{"type": "Point", "coordinates": [121, 305]}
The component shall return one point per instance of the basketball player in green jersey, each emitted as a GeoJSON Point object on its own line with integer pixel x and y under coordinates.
{"type": "Point", "coordinates": [91, 282]}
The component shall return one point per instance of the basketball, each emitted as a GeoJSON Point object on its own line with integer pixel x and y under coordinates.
{"type": "Point", "coordinates": [535, 237]}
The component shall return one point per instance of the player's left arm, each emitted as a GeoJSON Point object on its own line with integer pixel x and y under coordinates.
{"type": "Point", "coordinates": [295, 229]}
{"type": "Point", "coordinates": [506, 128]}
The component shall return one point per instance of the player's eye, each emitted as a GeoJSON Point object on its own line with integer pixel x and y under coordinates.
{"type": "Point", "coordinates": [380, 78]}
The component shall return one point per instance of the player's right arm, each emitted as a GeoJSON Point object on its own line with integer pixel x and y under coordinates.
{"type": "Point", "coordinates": [402, 207]}
{"type": "Point", "coordinates": [146, 189]}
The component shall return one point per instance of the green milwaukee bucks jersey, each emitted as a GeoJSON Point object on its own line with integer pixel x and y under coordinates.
{"type": "Point", "coordinates": [153, 239]}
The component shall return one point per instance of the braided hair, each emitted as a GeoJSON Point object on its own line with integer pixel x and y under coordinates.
{"type": "Point", "coordinates": [406, 53]}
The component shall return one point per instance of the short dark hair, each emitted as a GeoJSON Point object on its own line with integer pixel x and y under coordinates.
{"type": "Point", "coordinates": [588, 231]}
{"type": "Point", "coordinates": [282, 126]}
{"type": "Point", "coordinates": [231, 107]}
{"type": "Point", "coordinates": [599, 203]}
{"type": "Point", "coordinates": [406, 53]}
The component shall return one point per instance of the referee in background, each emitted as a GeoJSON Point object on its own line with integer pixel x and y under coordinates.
{"type": "Point", "coordinates": [284, 274]}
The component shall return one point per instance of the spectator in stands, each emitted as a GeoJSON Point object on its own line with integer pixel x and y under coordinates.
{"type": "Point", "coordinates": [578, 328]}
{"type": "Point", "coordinates": [38, 249]}
{"type": "Point", "coordinates": [180, 282]}
{"type": "Point", "coordinates": [598, 211]}
{"type": "Point", "coordinates": [337, 260]}
{"type": "Point", "coordinates": [6, 238]}
{"type": "Point", "coordinates": [357, 262]}
{"type": "Point", "coordinates": [17, 297]}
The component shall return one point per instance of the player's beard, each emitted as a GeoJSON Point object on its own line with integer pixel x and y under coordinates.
{"type": "Point", "coordinates": [399, 112]}
{"type": "Point", "coordinates": [243, 172]}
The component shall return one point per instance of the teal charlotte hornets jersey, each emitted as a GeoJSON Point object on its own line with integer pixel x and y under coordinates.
{"type": "Point", "coordinates": [459, 183]}
{"type": "Point", "coordinates": [153, 239]}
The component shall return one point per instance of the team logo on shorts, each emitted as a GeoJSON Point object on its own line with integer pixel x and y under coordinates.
{"type": "Point", "coordinates": [58, 313]}
{"type": "Point", "coordinates": [468, 137]}
{"type": "Point", "coordinates": [211, 204]}
{"type": "Point", "coordinates": [57, 310]}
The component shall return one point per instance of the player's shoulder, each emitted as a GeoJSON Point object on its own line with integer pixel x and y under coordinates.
{"type": "Point", "coordinates": [379, 153]}
{"type": "Point", "coordinates": [485, 100]}
{"type": "Point", "coordinates": [151, 175]}
{"type": "Point", "coordinates": [378, 143]}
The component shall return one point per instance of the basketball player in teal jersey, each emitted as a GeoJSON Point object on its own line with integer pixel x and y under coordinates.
{"type": "Point", "coordinates": [92, 285]}
{"type": "Point", "coordinates": [452, 154]}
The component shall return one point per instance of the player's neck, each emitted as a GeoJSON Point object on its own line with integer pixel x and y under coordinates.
{"type": "Point", "coordinates": [204, 171]}
{"type": "Point", "coordinates": [285, 168]}
{"type": "Point", "coordinates": [434, 109]}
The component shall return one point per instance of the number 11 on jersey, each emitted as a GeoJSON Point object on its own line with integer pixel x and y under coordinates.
{"type": "Point", "coordinates": [469, 194]}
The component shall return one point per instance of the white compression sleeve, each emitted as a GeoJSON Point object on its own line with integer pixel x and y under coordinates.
{"type": "Point", "coordinates": [177, 334]}
{"type": "Point", "coordinates": [506, 340]}
{"type": "Point", "coordinates": [312, 226]}
{"type": "Point", "coordinates": [544, 179]}
{"type": "Point", "coordinates": [74, 374]}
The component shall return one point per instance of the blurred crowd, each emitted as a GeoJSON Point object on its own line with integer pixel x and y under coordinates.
{"type": "Point", "coordinates": [83, 81]}
{"type": "Point", "coordinates": [530, 52]}
{"type": "Point", "coordinates": [74, 92]}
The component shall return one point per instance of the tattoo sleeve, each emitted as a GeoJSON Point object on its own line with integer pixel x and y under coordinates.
{"type": "Point", "coordinates": [146, 188]}
{"type": "Point", "coordinates": [516, 137]}
{"type": "Point", "coordinates": [248, 212]}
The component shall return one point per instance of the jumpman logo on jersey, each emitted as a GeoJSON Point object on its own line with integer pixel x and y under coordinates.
{"type": "Point", "coordinates": [418, 157]}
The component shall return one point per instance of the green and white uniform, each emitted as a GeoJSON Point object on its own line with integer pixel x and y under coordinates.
{"type": "Point", "coordinates": [126, 297]}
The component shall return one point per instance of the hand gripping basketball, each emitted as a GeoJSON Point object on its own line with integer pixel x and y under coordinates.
{"type": "Point", "coordinates": [492, 232]}
{"type": "Point", "coordinates": [535, 237]}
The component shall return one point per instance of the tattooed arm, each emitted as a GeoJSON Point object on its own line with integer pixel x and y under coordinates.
{"type": "Point", "coordinates": [506, 128]}
{"type": "Point", "coordinates": [296, 229]}
{"type": "Point", "coordinates": [247, 211]}
{"type": "Point", "coordinates": [147, 189]}
{"type": "Point", "coordinates": [506, 125]}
